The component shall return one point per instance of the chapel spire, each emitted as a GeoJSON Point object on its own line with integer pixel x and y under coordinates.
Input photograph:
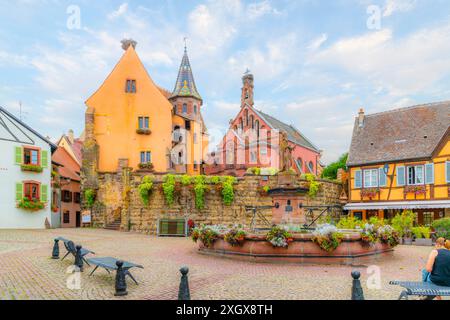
{"type": "Point", "coordinates": [185, 85]}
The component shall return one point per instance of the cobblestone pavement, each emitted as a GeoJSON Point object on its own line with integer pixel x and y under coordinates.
{"type": "Point", "coordinates": [28, 272]}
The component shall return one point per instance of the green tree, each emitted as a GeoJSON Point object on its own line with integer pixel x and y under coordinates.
{"type": "Point", "coordinates": [330, 172]}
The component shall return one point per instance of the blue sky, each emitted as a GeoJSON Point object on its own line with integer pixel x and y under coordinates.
{"type": "Point", "coordinates": [315, 62]}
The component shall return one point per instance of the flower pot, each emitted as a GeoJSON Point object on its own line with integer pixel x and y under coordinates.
{"type": "Point", "coordinates": [423, 242]}
{"type": "Point", "coordinates": [407, 241]}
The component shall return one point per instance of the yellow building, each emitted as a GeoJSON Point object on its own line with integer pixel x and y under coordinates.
{"type": "Point", "coordinates": [134, 123]}
{"type": "Point", "coordinates": [399, 160]}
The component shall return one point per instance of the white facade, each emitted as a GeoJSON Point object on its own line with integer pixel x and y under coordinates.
{"type": "Point", "coordinates": [16, 136]}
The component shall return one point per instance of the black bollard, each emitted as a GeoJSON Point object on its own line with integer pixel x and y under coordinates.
{"type": "Point", "coordinates": [357, 291]}
{"type": "Point", "coordinates": [121, 283]}
{"type": "Point", "coordinates": [55, 252]}
{"type": "Point", "coordinates": [183, 293]}
{"type": "Point", "coordinates": [78, 258]}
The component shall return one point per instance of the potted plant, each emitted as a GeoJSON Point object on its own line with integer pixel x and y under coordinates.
{"type": "Point", "coordinates": [327, 237]}
{"type": "Point", "coordinates": [235, 236]}
{"type": "Point", "coordinates": [403, 224]}
{"type": "Point", "coordinates": [442, 228]}
{"type": "Point", "coordinates": [279, 237]}
{"type": "Point", "coordinates": [422, 236]}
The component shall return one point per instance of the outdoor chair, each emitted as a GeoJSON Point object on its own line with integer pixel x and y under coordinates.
{"type": "Point", "coordinates": [426, 289]}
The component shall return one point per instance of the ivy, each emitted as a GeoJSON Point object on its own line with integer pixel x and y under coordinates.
{"type": "Point", "coordinates": [169, 189]}
{"type": "Point", "coordinates": [228, 190]}
{"type": "Point", "coordinates": [145, 188]}
{"type": "Point", "coordinates": [314, 185]}
{"type": "Point", "coordinates": [199, 191]}
{"type": "Point", "coordinates": [89, 197]}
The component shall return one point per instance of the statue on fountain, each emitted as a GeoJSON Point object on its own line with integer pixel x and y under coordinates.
{"type": "Point", "coordinates": [285, 153]}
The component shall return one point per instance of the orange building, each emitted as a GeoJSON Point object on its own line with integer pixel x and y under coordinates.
{"type": "Point", "coordinates": [132, 122]}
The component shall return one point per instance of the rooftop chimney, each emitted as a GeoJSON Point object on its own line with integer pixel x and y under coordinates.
{"type": "Point", "coordinates": [70, 136]}
{"type": "Point", "coordinates": [361, 118]}
{"type": "Point", "coordinates": [127, 42]}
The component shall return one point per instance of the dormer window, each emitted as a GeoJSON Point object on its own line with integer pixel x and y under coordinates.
{"type": "Point", "coordinates": [130, 86]}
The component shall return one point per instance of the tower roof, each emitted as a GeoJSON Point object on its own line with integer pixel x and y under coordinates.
{"type": "Point", "coordinates": [185, 85]}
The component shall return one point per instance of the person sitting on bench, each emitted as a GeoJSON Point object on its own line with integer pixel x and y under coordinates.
{"type": "Point", "coordinates": [437, 269]}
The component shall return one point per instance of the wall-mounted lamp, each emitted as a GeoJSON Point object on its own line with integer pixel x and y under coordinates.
{"type": "Point", "coordinates": [386, 169]}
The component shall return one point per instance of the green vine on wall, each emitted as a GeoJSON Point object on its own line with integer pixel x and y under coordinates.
{"type": "Point", "coordinates": [314, 185]}
{"type": "Point", "coordinates": [228, 190]}
{"type": "Point", "coordinates": [89, 197]}
{"type": "Point", "coordinates": [199, 191]}
{"type": "Point", "coordinates": [145, 189]}
{"type": "Point", "coordinates": [168, 187]}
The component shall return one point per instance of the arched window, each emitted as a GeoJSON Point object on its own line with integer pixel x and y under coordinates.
{"type": "Point", "coordinates": [195, 109]}
{"type": "Point", "coordinates": [241, 124]}
{"type": "Point", "coordinates": [246, 94]}
{"type": "Point", "coordinates": [184, 108]}
{"type": "Point", "coordinates": [257, 128]}
{"type": "Point", "coordinates": [252, 121]}
{"type": "Point", "coordinates": [246, 117]}
{"type": "Point", "coordinates": [299, 162]}
{"type": "Point", "coordinates": [311, 167]}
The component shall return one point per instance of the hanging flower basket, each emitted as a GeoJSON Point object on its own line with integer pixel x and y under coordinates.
{"type": "Point", "coordinates": [31, 168]}
{"type": "Point", "coordinates": [370, 192]}
{"type": "Point", "coordinates": [416, 190]}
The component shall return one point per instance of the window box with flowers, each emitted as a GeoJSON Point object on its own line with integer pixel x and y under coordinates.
{"type": "Point", "coordinates": [31, 204]}
{"type": "Point", "coordinates": [143, 131]}
{"type": "Point", "coordinates": [146, 166]}
{"type": "Point", "coordinates": [416, 190]}
{"type": "Point", "coordinates": [370, 192]}
{"type": "Point", "coordinates": [31, 168]}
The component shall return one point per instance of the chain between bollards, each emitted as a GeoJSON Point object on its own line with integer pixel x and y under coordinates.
{"type": "Point", "coordinates": [357, 291]}
{"type": "Point", "coordinates": [121, 283]}
{"type": "Point", "coordinates": [55, 252]}
{"type": "Point", "coordinates": [183, 293]}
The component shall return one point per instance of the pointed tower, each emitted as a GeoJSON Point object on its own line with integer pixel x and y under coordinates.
{"type": "Point", "coordinates": [185, 98]}
{"type": "Point", "coordinates": [247, 89]}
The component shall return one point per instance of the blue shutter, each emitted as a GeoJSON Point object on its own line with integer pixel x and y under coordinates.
{"type": "Point", "coordinates": [447, 171]}
{"type": "Point", "coordinates": [400, 176]}
{"type": "Point", "coordinates": [358, 179]}
{"type": "Point", "coordinates": [429, 173]}
{"type": "Point", "coordinates": [382, 178]}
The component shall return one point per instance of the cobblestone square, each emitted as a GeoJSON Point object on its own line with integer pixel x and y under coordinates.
{"type": "Point", "coordinates": [28, 272]}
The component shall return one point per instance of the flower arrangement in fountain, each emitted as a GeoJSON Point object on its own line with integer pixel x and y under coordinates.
{"type": "Point", "coordinates": [369, 234]}
{"type": "Point", "coordinates": [235, 236]}
{"type": "Point", "coordinates": [207, 234]}
{"type": "Point", "coordinates": [328, 237]}
{"type": "Point", "coordinates": [388, 235]}
{"type": "Point", "coordinates": [279, 237]}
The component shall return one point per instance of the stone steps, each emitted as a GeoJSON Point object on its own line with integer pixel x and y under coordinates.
{"type": "Point", "coordinates": [113, 226]}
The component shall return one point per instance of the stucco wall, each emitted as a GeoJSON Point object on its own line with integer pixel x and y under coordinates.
{"type": "Point", "coordinates": [12, 217]}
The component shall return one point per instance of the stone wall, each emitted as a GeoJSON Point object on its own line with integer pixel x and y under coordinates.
{"type": "Point", "coordinates": [118, 198]}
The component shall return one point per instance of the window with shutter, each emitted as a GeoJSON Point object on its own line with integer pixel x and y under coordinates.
{"type": "Point", "coordinates": [429, 173]}
{"type": "Point", "coordinates": [358, 179]}
{"type": "Point", "coordinates": [44, 158]}
{"type": "Point", "coordinates": [383, 178]}
{"type": "Point", "coordinates": [44, 193]}
{"type": "Point", "coordinates": [19, 191]}
{"type": "Point", "coordinates": [400, 176]}
{"type": "Point", "coordinates": [18, 155]}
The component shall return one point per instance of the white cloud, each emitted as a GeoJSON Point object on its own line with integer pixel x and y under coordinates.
{"type": "Point", "coordinates": [259, 9]}
{"type": "Point", "coordinates": [399, 66]}
{"type": "Point", "coordinates": [393, 6]}
{"type": "Point", "coordinates": [316, 43]}
{"type": "Point", "coordinates": [123, 8]}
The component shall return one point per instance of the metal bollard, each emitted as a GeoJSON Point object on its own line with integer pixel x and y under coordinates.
{"type": "Point", "coordinates": [121, 283]}
{"type": "Point", "coordinates": [183, 293]}
{"type": "Point", "coordinates": [55, 252]}
{"type": "Point", "coordinates": [357, 291]}
{"type": "Point", "coordinates": [78, 258]}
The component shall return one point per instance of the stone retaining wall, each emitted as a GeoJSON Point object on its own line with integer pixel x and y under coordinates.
{"type": "Point", "coordinates": [118, 198]}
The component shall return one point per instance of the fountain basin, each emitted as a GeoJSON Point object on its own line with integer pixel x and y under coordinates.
{"type": "Point", "coordinates": [352, 250]}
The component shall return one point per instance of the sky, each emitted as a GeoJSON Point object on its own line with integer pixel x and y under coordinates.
{"type": "Point", "coordinates": [315, 63]}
